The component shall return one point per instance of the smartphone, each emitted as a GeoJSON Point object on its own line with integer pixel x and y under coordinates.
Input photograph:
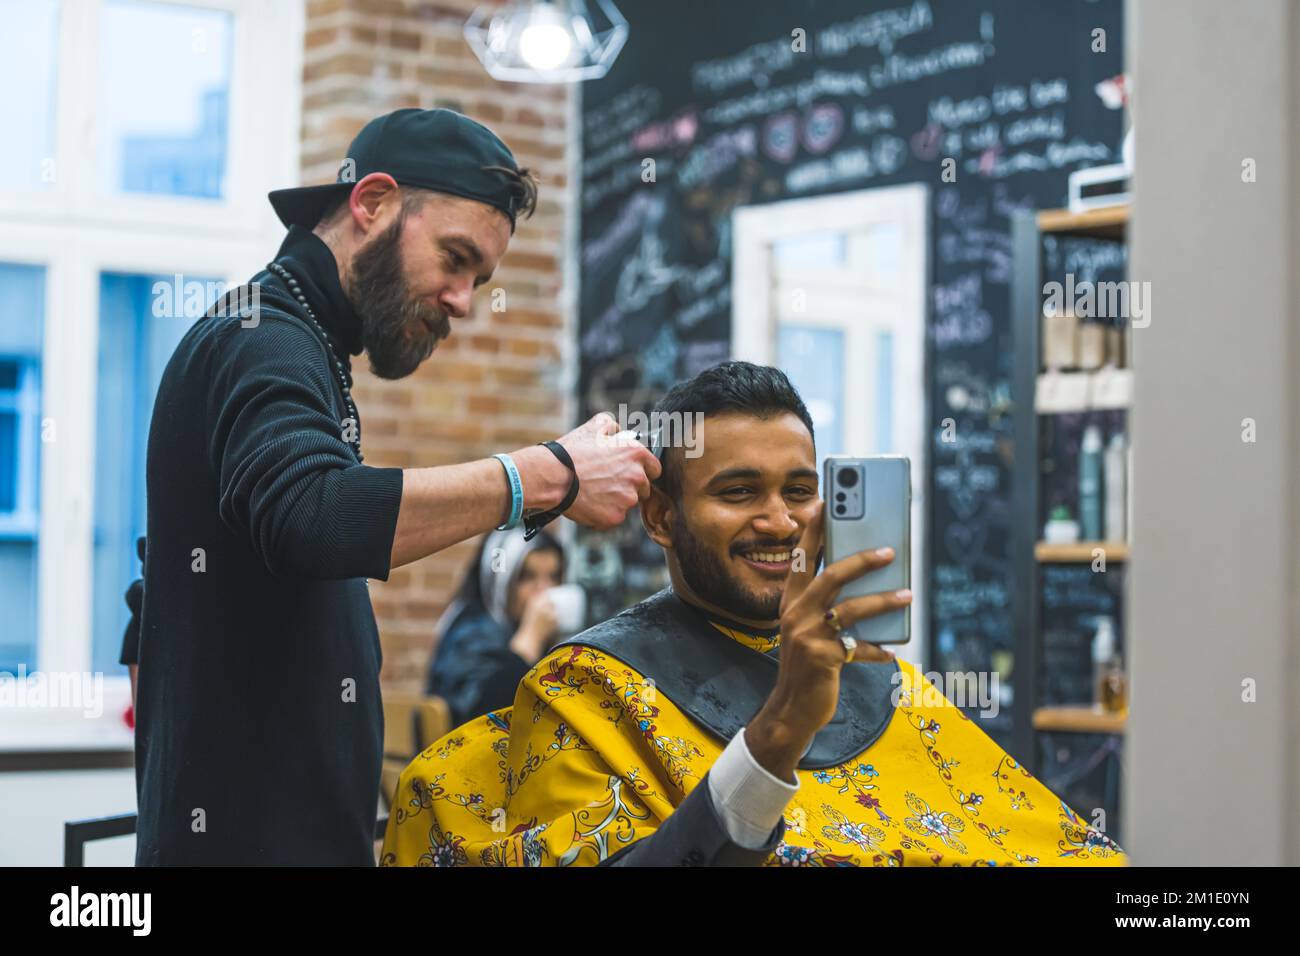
{"type": "Point", "coordinates": [869, 506]}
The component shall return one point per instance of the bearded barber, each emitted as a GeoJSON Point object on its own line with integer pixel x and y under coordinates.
{"type": "Point", "coordinates": [259, 725]}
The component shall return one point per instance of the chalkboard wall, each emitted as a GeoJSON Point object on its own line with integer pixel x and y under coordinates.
{"type": "Point", "coordinates": [884, 92]}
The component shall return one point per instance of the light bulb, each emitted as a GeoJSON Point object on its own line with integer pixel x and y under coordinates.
{"type": "Point", "coordinates": [545, 43]}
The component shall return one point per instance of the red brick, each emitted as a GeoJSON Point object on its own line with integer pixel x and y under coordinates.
{"type": "Point", "coordinates": [529, 260]}
{"type": "Point", "coordinates": [403, 40]}
{"type": "Point", "coordinates": [317, 9]}
{"type": "Point", "coordinates": [388, 8]}
{"type": "Point", "coordinates": [321, 37]}
{"type": "Point", "coordinates": [364, 34]}
{"type": "Point", "coordinates": [337, 64]}
{"type": "Point", "coordinates": [452, 47]}
{"type": "Point", "coordinates": [420, 610]}
{"type": "Point", "coordinates": [529, 317]}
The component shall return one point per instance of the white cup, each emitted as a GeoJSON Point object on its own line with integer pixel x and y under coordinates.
{"type": "Point", "coordinates": [570, 603]}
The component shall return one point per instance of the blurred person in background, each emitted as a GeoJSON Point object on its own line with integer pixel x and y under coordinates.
{"type": "Point", "coordinates": [499, 624]}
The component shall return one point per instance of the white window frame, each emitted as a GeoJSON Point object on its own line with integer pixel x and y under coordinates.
{"type": "Point", "coordinates": [754, 317]}
{"type": "Point", "coordinates": [76, 233]}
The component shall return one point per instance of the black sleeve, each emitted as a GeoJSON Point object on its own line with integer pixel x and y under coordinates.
{"type": "Point", "coordinates": [694, 835]}
{"type": "Point", "coordinates": [134, 602]}
{"type": "Point", "coordinates": [286, 478]}
{"type": "Point", "coordinates": [131, 638]}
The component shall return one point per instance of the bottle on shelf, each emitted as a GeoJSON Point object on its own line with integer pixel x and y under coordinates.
{"type": "Point", "coordinates": [1060, 339]}
{"type": "Point", "coordinates": [1110, 691]}
{"type": "Point", "coordinates": [1114, 688]}
{"type": "Point", "coordinates": [1060, 527]}
{"type": "Point", "coordinates": [1116, 469]}
{"type": "Point", "coordinates": [1092, 345]}
{"type": "Point", "coordinates": [1090, 454]}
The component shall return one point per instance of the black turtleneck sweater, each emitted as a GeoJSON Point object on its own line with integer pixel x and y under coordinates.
{"type": "Point", "coordinates": [259, 728]}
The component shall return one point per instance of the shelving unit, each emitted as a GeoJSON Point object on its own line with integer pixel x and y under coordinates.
{"type": "Point", "coordinates": [1060, 392]}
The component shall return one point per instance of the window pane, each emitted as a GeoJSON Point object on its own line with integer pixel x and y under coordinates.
{"type": "Point", "coordinates": [884, 403]}
{"type": "Point", "coordinates": [135, 343]}
{"type": "Point", "coordinates": [813, 358]}
{"type": "Point", "coordinates": [22, 311]}
{"type": "Point", "coordinates": [163, 99]}
{"type": "Point", "coordinates": [28, 44]}
{"type": "Point", "coordinates": [884, 248]}
{"type": "Point", "coordinates": [823, 250]}
{"type": "Point", "coordinates": [9, 464]}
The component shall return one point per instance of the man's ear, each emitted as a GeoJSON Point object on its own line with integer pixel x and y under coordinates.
{"type": "Point", "coordinates": [369, 197]}
{"type": "Point", "coordinates": [657, 517]}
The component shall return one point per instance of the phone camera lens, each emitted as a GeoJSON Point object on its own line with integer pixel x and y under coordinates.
{"type": "Point", "coordinates": [839, 509]}
{"type": "Point", "coordinates": [847, 477]}
{"type": "Point", "coordinates": [840, 496]}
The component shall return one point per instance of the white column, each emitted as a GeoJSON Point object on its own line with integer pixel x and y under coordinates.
{"type": "Point", "coordinates": [1211, 779]}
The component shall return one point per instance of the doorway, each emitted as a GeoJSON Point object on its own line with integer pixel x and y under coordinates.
{"type": "Point", "coordinates": [832, 291]}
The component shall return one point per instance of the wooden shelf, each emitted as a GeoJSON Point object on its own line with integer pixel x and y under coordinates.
{"type": "Point", "coordinates": [1079, 551]}
{"type": "Point", "coordinates": [1080, 720]}
{"type": "Point", "coordinates": [1109, 222]}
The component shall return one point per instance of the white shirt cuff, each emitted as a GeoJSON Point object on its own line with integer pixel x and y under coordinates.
{"type": "Point", "coordinates": [749, 799]}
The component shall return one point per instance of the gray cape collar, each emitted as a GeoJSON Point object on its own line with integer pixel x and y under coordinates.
{"type": "Point", "coordinates": [721, 684]}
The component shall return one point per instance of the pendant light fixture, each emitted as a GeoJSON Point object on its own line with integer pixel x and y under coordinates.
{"type": "Point", "coordinates": [546, 41]}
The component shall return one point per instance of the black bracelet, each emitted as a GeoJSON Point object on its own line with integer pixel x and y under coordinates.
{"type": "Point", "coordinates": [535, 523]}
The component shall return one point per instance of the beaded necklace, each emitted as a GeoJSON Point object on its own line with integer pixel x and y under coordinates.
{"type": "Point", "coordinates": [340, 373]}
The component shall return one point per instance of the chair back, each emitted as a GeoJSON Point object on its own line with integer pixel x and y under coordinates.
{"type": "Point", "coordinates": [411, 723]}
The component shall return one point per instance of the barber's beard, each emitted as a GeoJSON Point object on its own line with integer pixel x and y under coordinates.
{"type": "Point", "coordinates": [708, 576]}
{"type": "Point", "coordinates": [393, 327]}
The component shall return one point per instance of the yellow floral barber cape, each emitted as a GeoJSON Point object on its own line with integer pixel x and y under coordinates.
{"type": "Point", "coordinates": [591, 758]}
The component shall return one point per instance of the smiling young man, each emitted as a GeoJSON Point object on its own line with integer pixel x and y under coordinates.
{"type": "Point", "coordinates": [259, 725]}
{"type": "Point", "coordinates": [724, 720]}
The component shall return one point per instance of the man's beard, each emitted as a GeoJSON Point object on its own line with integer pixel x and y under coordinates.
{"type": "Point", "coordinates": [709, 578]}
{"type": "Point", "coordinates": [392, 323]}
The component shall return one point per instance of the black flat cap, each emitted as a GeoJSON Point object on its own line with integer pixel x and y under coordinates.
{"type": "Point", "coordinates": [433, 149]}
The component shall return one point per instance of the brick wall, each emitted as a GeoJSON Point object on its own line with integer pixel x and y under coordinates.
{"type": "Point", "coordinates": [502, 379]}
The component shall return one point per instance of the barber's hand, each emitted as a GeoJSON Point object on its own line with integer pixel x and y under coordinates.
{"type": "Point", "coordinates": [812, 656]}
{"type": "Point", "coordinates": [613, 476]}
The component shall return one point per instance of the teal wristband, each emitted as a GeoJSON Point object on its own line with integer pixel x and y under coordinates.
{"type": "Point", "coordinates": [516, 492]}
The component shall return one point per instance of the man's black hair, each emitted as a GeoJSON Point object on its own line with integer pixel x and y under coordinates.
{"type": "Point", "coordinates": [743, 387]}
